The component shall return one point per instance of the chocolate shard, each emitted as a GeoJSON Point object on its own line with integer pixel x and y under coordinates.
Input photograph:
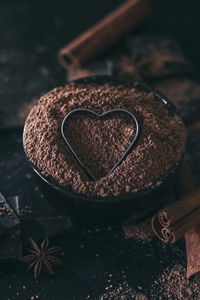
{"type": "Point", "coordinates": [40, 228]}
{"type": "Point", "coordinates": [11, 244]}
{"type": "Point", "coordinates": [192, 240]}
{"type": "Point", "coordinates": [152, 56]}
{"type": "Point", "coordinates": [9, 221]}
{"type": "Point", "coordinates": [14, 203]}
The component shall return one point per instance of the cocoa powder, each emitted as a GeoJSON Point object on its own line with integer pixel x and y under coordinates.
{"type": "Point", "coordinates": [101, 142]}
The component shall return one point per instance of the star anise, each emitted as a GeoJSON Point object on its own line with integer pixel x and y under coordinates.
{"type": "Point", "coordinates": [41, 258]}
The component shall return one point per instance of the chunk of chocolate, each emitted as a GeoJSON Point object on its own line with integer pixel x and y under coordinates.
{"type": "Point", "coordinates": [11, 244]}
{"type": "Point", "coordinates": [14, 203]}
{"type": "Point", "coordinates": [8, 219]}
{"type": "Point", "coordinates": [152, 56]}
{"type": "Point", "coordinates": [40, 228]}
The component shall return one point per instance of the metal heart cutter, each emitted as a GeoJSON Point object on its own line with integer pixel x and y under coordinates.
{"type": "Point", "coordinates": [84, 110]}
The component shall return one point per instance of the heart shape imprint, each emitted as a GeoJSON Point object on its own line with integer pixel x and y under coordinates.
{"type": "Point", "coordinates": [99, 116]}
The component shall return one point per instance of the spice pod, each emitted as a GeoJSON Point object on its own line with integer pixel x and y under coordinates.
{"type": "Point", "coordinates": [90, 209]}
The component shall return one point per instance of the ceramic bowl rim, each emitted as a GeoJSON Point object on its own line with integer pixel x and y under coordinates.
{"type": "Point", "coordinates": [123, 197]}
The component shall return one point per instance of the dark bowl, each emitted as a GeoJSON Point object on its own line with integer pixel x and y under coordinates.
{"type": "Point", "coordinates": [87, 210]}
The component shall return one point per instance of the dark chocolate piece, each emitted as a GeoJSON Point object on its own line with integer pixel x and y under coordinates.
{"type": "Point", "coordinates": [14, 203]}
{"type": "Point", "coordinates": [153, 57]}
{"type": "Point", "coordinates": [40, 228]}
{"type": "Point", "coordinates": [11, 244]}
{"type": "Point", "coordinates": [37, 228]}
{"type": "Point", "coordinates": [8, 219]}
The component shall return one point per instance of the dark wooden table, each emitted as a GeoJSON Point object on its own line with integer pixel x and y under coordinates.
{"type": "Point", "coordinates": [31, 33]}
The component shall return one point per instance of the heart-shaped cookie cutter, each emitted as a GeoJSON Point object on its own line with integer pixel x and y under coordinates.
{"type": "Point", "coordinates": [85, 110]}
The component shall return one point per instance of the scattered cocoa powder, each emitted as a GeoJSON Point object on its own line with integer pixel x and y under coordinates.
{"type": "Point", "coordinates": [120, 289]}
{"type": "Point", "coordinates": [121, 292]}
{"type": "Point", "coordinates": [160, 144]}
{"type": "Point", "coordinates": [173, 284]}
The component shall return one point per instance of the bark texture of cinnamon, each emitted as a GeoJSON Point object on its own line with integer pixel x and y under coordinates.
{"type": "Point", "coordinates": [173, 221]}
{"type": "Point", "coordinates": [102, 35]}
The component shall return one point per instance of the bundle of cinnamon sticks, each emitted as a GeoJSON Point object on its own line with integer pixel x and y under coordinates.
{"type": "Point", "coordinates": [182, 218]}
{"type": "Point", "coordinates": [172, 222]}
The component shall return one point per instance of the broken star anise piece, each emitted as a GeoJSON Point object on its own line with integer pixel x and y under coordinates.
{"type": "Point", "coordinates": [41, 258]}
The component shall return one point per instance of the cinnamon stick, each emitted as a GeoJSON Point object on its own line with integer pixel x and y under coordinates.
{"type": "Point", "coordinates": [105, 33]}
{"type": "Point", "coordinates": [172, 222]}
{"type": "Point", "coordinates": [175, 220]}
{"type": "Point", "coordinates": [183, 218]}
{"type": "Point", "coordinates": [186, 184]}
{"type": "Point", "coordinates": [182, 208]}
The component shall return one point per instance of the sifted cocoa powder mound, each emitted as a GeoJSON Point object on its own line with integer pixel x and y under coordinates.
{"type": "Point", "coordinates": [101, 142]}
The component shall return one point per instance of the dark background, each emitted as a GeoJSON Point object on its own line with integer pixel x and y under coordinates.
{"type": "Point", "coordinates": [31, 33]}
